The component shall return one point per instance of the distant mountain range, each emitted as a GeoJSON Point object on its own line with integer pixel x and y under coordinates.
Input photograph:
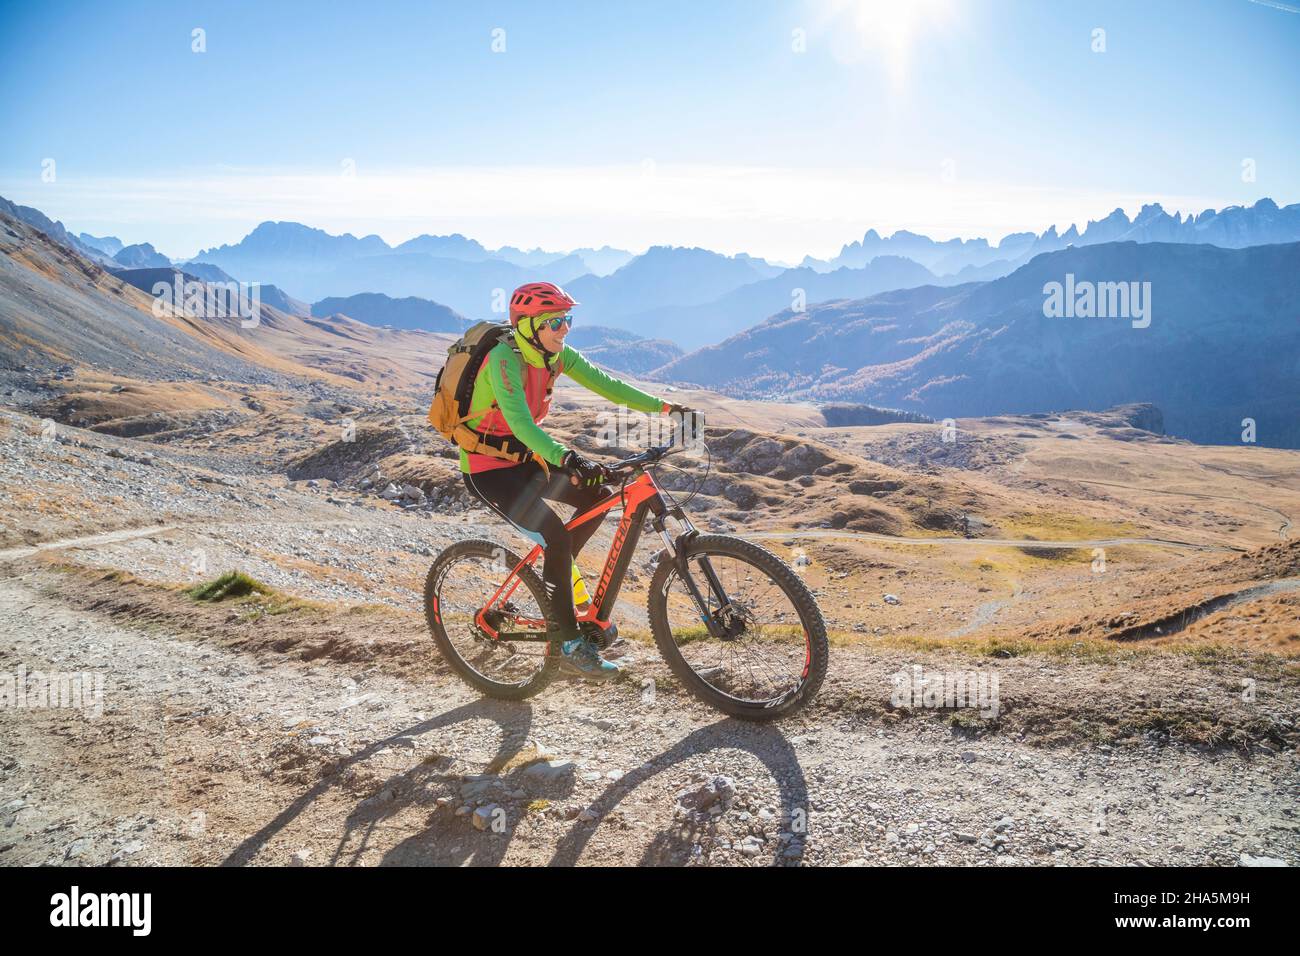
{"type": "Point", "coordinates": [1233, 227]}
{"type": "Point", "coordinates": [142, 256]}
{"type": "Point", "coordinates": [664, 277]}
{"type": "Point", "coordinates": [108, 245]}
{"type": "Point", "coordinates": [377, 309]}
{"type": "Point", "coordinates": [693, 296]}
{"type": "Point", "coordinates": [1222, 344]}
{"type": "Point", "coordinates": [453, 270]}
{"type": "Point", "coordinates": [622, 350]}
{"type": "Point", "coordinates": [700, 324]}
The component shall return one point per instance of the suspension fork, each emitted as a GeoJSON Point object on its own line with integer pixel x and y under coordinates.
{"type": "Point", "coordinates": [677, 548]}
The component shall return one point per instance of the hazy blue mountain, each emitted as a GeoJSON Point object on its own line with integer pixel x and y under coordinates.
{"type": "Point", "coordinates": [1223, 344]}
{"type": "Point", "coordinates": [469, 288]}
{"type": "Point", "coordinates": [141, 256]}
{"type": "Point", "coordinates": [913, 246]}
{"type": "Point", "coordinates": [277, 298]}
{"type": "Point", "coordinates": [1233, 227]}
{"type": "Point", "coordinates": [108, 245]}
{"type": "Point", "coordinates": [663, 276]}
{"type": "Point", "coordinates": [317, 265]}
{"type": "Point", "coordinates": [761, 266]}
{"type": "Point", "coordinates": [697, 325]}
{"type": "Point", "coordinates": [583, 337]}
{"type": "Point", "coordinates": [621, 350]}
{"type": "Point", "coordinates": [375, 308]}
{"type": "Point", "coordinates": [206, 271]}
{"type": "Point", "coordinates": [291, 240]}
{"type": "Point", "coordinates": [527, 258]}
{"type": "Point", "coordinates": [567, 266]}
{"type": "Point", "coordinates": [606, 259]}
{"type": "Point", "coordinates": [454, 246]}
{"type": "Point", "coordinates": [561, 271]}
{"type": "Point", "coordinates": [290, 254]}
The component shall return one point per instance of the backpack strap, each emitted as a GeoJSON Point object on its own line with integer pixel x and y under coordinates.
{"type": "Point", "coordinates": [506, 447]}
{"type": "Point", "coordinates": [504, 335]}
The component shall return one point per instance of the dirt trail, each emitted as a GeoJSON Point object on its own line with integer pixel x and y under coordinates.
{"type": "Point", "coordinates": [87, 541]}
{"type": "Point", "coordinates": [1035, 544]}
{"type": "Point", "coordinates": [205, 753]}
{"type": "Point", "coordinates": [986, 612]}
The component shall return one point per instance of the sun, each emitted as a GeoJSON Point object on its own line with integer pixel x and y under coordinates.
{"type": "Point", "coordinates": [884, 29]}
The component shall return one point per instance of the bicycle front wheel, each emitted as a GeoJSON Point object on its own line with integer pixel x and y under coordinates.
{"type": "Point", "coordinates": [769, 654]}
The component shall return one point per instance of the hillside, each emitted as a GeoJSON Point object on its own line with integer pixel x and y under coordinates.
{"type": "Point", "coordinates": [697, 325]}
{"type": "Point", "coordinates": [1221, 344]}
{"type": "Point", "coordinates": [58, 309]}
{"type": "Point", "coordinates": [621, 350]}
{"type": "Point", "coordinates": [375, 308]}
{"type": "Point", "coordinates": [60, 312]}
{"type": "Point", "coordinates": [663, 278]}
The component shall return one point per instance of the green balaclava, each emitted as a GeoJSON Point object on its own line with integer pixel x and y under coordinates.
{"type": "Point", "coordinates": [526, 333]}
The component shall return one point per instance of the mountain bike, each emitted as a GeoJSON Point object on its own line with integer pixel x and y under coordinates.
{"type": "Point", "coordinates": [735, 624]}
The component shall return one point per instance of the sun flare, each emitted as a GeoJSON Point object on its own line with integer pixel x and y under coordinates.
{"type": "Point", "coordinates": [884, 29]}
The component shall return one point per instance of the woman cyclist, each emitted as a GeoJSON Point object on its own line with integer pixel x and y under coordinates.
{"type": "Point", "coordinates": [516, 379]}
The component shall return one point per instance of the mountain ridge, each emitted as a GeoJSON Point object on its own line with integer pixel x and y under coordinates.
{"type": "Point", "coordinates": [1223, 344]}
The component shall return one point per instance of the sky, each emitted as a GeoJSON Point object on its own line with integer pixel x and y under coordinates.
{"type": "Point", "coordinates": [762, 126]}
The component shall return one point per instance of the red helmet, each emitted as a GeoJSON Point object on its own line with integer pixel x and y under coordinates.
{"type": "Point", "coordinates": [534, 298]}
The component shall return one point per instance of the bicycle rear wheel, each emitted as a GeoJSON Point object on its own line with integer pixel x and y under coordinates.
{"type": "Point", "coordinates": [461, 581]}
{"type": "Point", "coordinates": [772, 656]}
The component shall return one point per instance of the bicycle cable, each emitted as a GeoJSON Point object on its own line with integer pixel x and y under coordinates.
{"type": "Point", "coordinates": [708, 464]}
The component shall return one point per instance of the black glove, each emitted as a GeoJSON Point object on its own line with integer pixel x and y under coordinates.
{"type": "Point", "coordinates": [586, 473]}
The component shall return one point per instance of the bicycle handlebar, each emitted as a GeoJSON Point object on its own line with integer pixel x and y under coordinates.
{"type": "Point", "coordinates": [655, 454]}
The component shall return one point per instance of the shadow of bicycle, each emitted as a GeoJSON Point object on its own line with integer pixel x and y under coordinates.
{"type": "Point", "coordinates": [676, 846]}
{"type": "Point", "coordinates": [452, 841]}
{"type": "Point", "coordinates": [514, 721]}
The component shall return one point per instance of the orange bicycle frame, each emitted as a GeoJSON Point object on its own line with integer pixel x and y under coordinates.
{"type": "Point", "coordinates": [636, 497]}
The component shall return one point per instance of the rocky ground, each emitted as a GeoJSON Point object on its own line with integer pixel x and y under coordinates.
{"type": "Point", "coordinates": [324, 730]}
{"type": "Point", "coordinates": [206, 753]}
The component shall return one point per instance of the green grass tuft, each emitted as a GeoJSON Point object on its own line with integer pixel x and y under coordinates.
{"type": "Point", "coordinates": [232, 584]}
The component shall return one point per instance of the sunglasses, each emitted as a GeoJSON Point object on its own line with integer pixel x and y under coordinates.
{"type": "Point", "coordinates": [555, 323]}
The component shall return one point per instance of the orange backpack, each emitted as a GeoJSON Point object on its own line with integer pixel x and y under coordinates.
{"type": "Point", "coordinates": [454, 389]}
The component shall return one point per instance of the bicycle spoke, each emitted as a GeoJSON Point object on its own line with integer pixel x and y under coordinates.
{"type": "Point", "coordinates": [463, 588]}
{"type": "Point", "coordinates": [763, 657]}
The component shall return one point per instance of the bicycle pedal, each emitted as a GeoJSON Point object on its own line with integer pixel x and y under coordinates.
{"type": "Point", "coordinates": [602, 637]}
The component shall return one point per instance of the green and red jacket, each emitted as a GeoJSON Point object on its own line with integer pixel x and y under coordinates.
{"type": "Point", "coordinates": [519, 389]}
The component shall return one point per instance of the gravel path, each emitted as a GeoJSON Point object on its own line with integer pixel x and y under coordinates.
{"type": "Point", "coordinates": [208, 755]}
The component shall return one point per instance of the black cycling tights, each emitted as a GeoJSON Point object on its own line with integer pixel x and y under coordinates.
{"type": "Point", "coordinates": [516, 494]}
